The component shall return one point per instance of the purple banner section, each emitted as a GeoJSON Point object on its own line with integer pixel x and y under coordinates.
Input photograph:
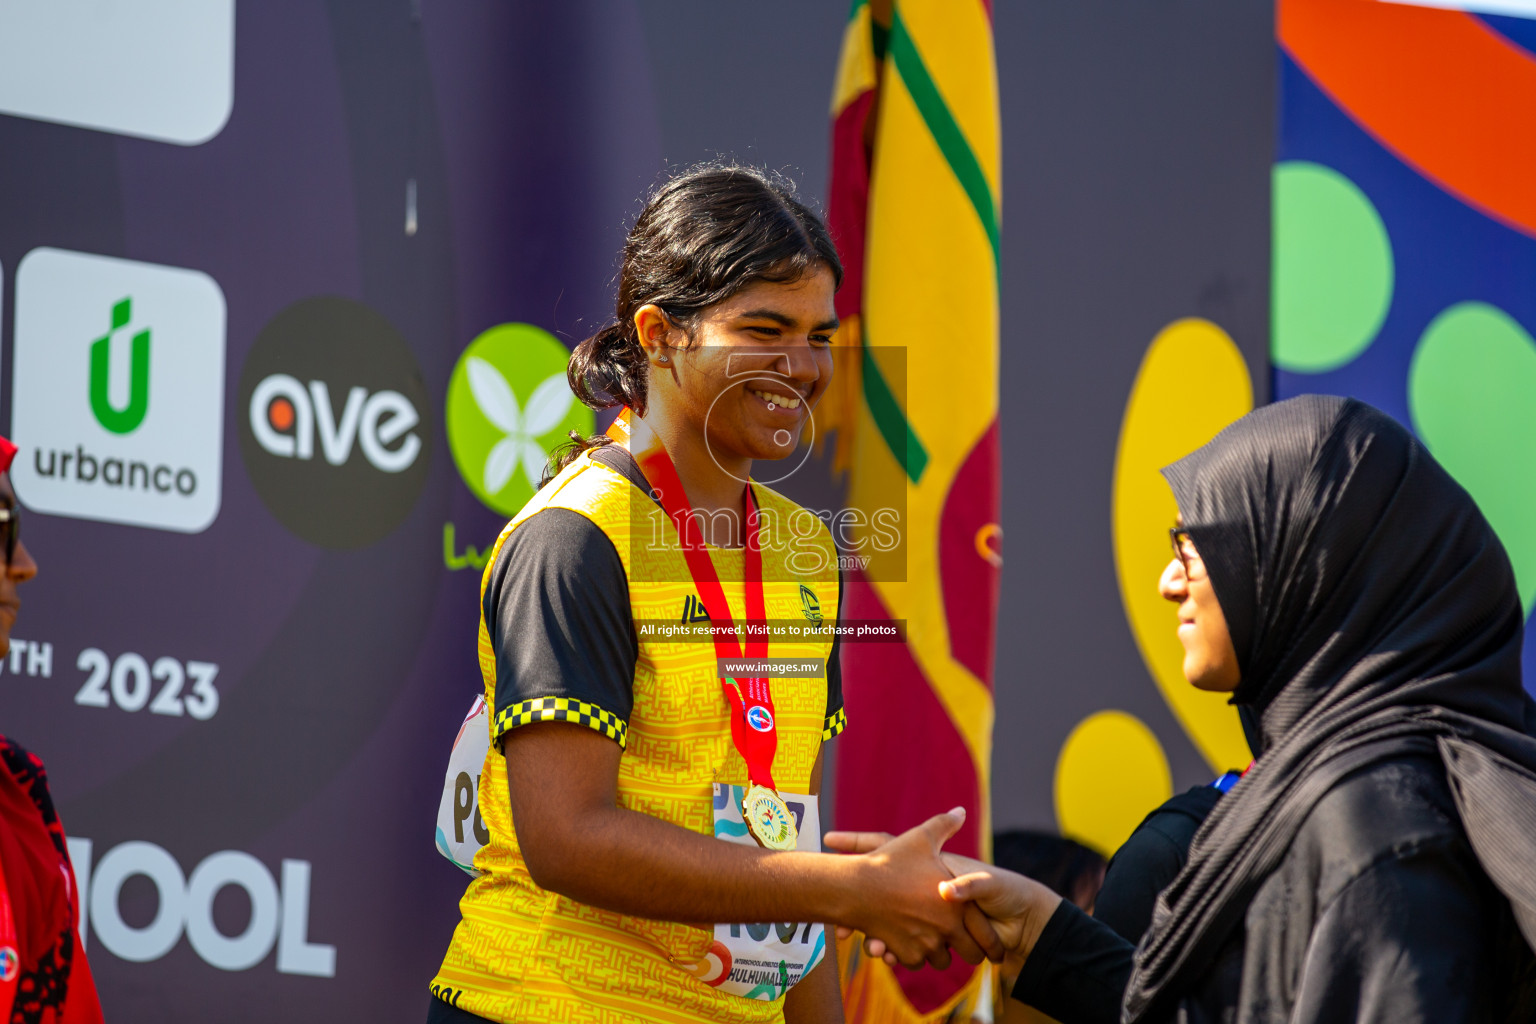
{"type": "Point", "coordinates": [246, 726]}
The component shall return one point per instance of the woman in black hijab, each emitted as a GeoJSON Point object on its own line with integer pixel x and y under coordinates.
{"type": "Point", "coordinates": [1378, 861]}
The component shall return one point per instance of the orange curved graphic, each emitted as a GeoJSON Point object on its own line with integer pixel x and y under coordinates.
{"type": "Point", "coordinates": [1448, 95]}
{"type": "Point", "coordinates": [990, 553]}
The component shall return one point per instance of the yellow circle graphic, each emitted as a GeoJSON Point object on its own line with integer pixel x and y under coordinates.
{"type": "Point", "coordinates": [1192, 382]}
{"type": "Point", "coordinates": [1110, 774]}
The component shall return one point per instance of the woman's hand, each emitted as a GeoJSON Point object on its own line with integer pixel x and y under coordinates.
{"type": "Point", "coordinates": [902, 914]}
{"type": "Point", "coordinates": [1017, 906]}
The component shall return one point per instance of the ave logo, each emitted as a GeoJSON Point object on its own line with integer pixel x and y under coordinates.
{"type": "Point", "coordinates": [118, 392]}
{"type": "Point", "coordinates": [286, 417]}
{"type": "Point", "coordinates": [334, 428]}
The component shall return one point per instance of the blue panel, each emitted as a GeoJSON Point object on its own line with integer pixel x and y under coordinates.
{"type": "Point", "coordinates": [1445, 251]}
{"type": "Point", "coordinates": [1520, 31]}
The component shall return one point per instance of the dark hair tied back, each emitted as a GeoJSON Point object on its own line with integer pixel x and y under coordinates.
{"type": "Point", "coordinates": [608, 368]}
{"type": "Point", "coordinates": [703, 236]}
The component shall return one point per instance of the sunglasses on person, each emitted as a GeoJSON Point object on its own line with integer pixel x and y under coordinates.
{"type": "Point", "coordinates": [10, 530]}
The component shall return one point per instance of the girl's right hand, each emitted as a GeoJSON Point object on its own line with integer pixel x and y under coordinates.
{"type": "Point", "coordinates": [901, 914]}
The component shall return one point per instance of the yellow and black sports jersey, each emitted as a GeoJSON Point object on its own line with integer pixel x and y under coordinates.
{"type": "Point", "coordinates": [556, 606]}
{"type": "Point", "coordinates": [522, 953]}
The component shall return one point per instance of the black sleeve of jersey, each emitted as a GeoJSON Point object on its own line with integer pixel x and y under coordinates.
{"type": "Point", "coordinates": [837, 719]}
{"type": "Point", "coordinates": [557, 609]}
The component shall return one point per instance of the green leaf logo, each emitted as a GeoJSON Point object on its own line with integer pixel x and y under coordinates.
{"type": "Point", "coordinates": [508, 406]}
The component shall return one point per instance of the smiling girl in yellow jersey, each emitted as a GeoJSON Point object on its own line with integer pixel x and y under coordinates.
{"type": "Point", "coordinates": [619, 753]}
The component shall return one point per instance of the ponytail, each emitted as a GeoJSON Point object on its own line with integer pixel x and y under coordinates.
{"type": "Point", "coordinates": [608, 369]}
{"type": "Point", "coordinates": [605, 370]}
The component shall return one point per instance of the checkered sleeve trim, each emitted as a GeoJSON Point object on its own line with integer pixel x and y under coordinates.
{"type": "Point", "coordinates": [561, 709]}
{"type": "Point", "coordinates": [835, 724]}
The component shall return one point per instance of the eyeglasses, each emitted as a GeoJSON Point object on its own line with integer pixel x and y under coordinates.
{"type": "Point", "coordinates": [1184, 551]}
{"type": "Point", "coordinates": [10, 529]}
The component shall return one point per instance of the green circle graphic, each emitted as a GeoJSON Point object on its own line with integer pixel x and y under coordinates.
{"type": "Point", "coordinates": [1472, 394]}
{"type": "Point", "coordinates": [1332, 269]}
{"type": "Point", "coordinates": [508, 406]}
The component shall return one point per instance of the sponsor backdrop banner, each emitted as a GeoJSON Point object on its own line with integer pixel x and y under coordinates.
{"type": "Point", "coordinates": [286, 292]}
{"type": "Point", "coordinates": [281, 288]}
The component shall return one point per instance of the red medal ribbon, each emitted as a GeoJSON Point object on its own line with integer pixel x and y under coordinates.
{"type": "Point", "coordinates": [754, 728]}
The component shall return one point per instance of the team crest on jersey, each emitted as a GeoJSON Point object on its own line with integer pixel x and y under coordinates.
{"type": "Point", "coordinates": [10, 964]}
{"type": "Point", "coordinates": [810, 605]}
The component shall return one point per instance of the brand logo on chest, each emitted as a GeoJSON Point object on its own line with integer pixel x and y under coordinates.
{"type": "Point", "coordinates": [693, 610]}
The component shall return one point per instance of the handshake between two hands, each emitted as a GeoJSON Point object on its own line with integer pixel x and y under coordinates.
{"type": "Point", "coordinates": [917, 903]}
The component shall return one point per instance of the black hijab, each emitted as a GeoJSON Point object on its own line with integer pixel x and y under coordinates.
{"type": "Point", "coordinates": [1375, 615]}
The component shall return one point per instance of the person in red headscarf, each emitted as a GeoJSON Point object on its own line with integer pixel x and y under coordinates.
{"type": "Point", "coordinates": [44, 977]}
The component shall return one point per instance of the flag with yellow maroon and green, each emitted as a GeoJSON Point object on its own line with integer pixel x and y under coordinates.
{"type": "Point", "coordinates": [914, 208]}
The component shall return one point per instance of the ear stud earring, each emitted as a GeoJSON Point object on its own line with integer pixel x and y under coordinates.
{"type": "Point", "coordinates": [661, 359]}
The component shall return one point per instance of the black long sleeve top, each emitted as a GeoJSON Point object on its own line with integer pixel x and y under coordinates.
{"type": "Point", "coordinates": [1379, 912]}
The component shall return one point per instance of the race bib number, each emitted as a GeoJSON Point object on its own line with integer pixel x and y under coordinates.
{"type": "Point", "coordinates": [762, 961]}
{"type": "Point", "coordinates": [460, 832]}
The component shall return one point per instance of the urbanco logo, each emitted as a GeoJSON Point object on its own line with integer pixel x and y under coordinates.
{"type": "Point", "coordinates": [334, 422]}
{"type": "Point", "coordinates": [123, 420]}
{"type": "Point", "coordinates": [118, 391]}
{"type": "Point", "coordinates": [508, 405]}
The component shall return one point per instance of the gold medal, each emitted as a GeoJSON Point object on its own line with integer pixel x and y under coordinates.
{"type": "Point", "coordinates": [768, 819]}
